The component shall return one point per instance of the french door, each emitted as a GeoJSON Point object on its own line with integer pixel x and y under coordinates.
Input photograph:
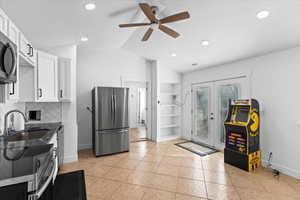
{"type": "Point", "coordinates": [209, 109]}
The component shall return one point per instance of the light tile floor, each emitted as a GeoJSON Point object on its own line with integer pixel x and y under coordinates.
{"type": "Point", "coordinates": [163, 171]}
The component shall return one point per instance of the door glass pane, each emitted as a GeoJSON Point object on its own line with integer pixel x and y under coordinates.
{"type": "Point", "coordinates": [201, 113]}
{"type": "Point", "coordinates": [225, 92]}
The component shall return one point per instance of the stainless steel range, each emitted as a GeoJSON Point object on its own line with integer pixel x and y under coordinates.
{"type": "Point", "coordinates": [28, 160]}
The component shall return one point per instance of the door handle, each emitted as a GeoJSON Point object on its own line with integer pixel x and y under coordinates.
{"type": "Point", "coordinates": [212, 116]}
{"type": "Point", "coordinates": [61, 94]}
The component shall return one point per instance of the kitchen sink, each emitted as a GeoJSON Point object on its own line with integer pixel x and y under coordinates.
{"type": "Point", "coordinates": [30, 134]}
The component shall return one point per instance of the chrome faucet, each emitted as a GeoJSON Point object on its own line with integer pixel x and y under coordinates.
{"type": "Point", "coordinates": [6, 131]}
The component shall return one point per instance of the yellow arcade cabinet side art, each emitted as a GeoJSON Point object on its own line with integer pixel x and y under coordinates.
{"type": "Point", "coordinates": [242, 134]}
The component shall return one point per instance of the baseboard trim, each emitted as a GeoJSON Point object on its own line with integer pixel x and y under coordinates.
{"type": "Point", "coordinates": [72, 158]}
{"type": "Point", "coordinates": [283, 169]}
{"type": "Point", "coordinates": [85, 146]}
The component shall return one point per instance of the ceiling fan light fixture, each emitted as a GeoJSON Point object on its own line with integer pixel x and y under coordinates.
{"type": "Point", "coordinates": [263, 14]}
{"type": "Point", "coordinates": [205, 42]}
{"type": "Point", "coordinates": [90, 6]}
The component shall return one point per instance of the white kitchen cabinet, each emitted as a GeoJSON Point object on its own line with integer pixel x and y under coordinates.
{"type": "Point", "coordinates": [3, 22]}
{"type": "Point", "coordinates": [13, 33]}
{"type": "Point", "coordinates": [47, 77]}
{"type": "Point", "coordinates": [13, 88]}
{"type": "Point", "coordinates": [26, 50]}
{"type": "Point", "coordinates": [64, 74]}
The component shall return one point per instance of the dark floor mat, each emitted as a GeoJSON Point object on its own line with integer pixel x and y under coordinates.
{"type": "Point", "coordinates": [200, 149]}
{"type": "Point", "coordinates": [70, 186]}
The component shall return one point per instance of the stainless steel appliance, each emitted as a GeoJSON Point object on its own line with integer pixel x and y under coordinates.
{"type": "Point", "coordinates": [33, 160]}
{"type": "Point", "coordinates": [35, 165]}
{"type": "Point", "coordinates": [110, 120]}
{"type": "Point", "coordinates": [8, 60]}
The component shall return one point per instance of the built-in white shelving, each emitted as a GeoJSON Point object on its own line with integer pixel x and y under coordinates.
{"type": "Point", "coordinates": [169, 105]}
{"type": "Point", "coordinates": [169, 115]}
{"type": "Point", "coordinates": [169, 111]}
{"type": "Point", "coordinates": [169, 126]}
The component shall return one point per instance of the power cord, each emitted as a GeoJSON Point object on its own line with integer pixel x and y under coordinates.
{"type": "Point", "coordinates": [275, 172]}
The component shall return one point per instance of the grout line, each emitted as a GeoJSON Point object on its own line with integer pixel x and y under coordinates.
{"type": "Point", "coordinates": [204, 179]}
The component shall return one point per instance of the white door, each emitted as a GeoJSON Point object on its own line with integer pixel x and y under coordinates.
{"type": "Point", "coordinates": [47, 77]}
{"type": "Point", "coordinates": [224, 91]}
{"type": "Point", "coordinates": [210, 106]}
{"type": "Point", "coordinates": [201, 111]}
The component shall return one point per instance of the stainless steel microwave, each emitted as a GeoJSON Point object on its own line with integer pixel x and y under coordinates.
{"type": "Point", "coordinates": [8, 60]}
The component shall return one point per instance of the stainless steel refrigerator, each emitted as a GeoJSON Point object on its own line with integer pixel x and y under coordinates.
{"type": "Point", "coordinates": [110, 120]}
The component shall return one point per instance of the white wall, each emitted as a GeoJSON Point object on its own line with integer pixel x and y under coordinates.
{"type": "Point", "coordinates": [110, 67]}
{"type": "Point", "coordinates": [274, 81]}
{"type": "Point", "coordinates": [167, 75]}
{"type": "Point", "coordinates": [69, 110]}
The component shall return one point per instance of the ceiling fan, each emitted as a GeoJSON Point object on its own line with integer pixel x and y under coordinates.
{"type": "Point", "coordinates": [150, 12]}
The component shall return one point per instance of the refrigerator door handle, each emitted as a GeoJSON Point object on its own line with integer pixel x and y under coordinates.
{"type": "Point", "coordinates": [115, 108]}
{"type": "Point", "coordinates": [111, 106]}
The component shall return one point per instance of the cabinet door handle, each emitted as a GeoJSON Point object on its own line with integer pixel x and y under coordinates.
{"type": "Point", "coordinates": [13, 89]}
{"type": "Point", "coordinates": [40, 92]}
{"type": "Point", "coordinates": [61, 94]}
{"type": "Point", "coordinates": [29, 49]}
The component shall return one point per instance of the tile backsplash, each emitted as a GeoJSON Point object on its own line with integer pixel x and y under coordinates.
{"type": "Point", "coordinates": [50, 112]}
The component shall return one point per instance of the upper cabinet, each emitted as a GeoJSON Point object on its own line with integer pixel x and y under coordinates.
{"type": "Point", "coordinates": [13, 33]}
{"type": "Point", "coordinates": [41, 77]}
{"type": "Point", "coordinates": [64, 74]}
{"type": "Point", "coordinates": [13, 88]}
{"type": "Point", "coordinates": [26, 50]}
{"type": "Point", "coordinates": [47, 77]}
{"type": "Point", "coordinates": [3, 22]}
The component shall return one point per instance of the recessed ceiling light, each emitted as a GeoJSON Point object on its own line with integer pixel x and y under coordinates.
{"type": "Point", "coordinates": [173, 54]}
{"type": "Point", "coordinates": [205, 43]}
{"type": "Point", "coordinates": [90, 6]}
{"type": "Point", "coordinates": [84, 39]}
{"type": "Point", "coordinates": [263, 14]}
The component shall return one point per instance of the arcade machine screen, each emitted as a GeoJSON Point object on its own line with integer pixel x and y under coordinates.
{"type": "Point", "coordinates": [242, 114]}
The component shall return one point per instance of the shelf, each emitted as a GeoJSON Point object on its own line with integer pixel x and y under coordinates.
{"type": "Point", "coordinates": [169, 115]}
{"type": "Point", "coordinates": [169, 126]}
{"type": "Point", "coordinates": [168, 105]}
{"type": "Point", "coordinates": [170, 94]}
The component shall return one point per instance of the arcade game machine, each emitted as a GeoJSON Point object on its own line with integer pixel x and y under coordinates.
{"type": "Point", "coordinates": [242, 135]}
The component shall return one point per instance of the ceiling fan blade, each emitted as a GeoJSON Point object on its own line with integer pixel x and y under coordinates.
{"type": "Point", "coordinates": [147, 34]}
{"type": "Point", "coordinates": [174, 18]}
{"type": "Point", "coordinates": [133, 25]}
{"type": "Point", "coordinates": [148, 12]}
{"type": "Point", "coordinates": [169, 31]}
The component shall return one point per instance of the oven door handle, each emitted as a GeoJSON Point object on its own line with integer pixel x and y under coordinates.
{"type": "Point", "coordinates": [39, 193]}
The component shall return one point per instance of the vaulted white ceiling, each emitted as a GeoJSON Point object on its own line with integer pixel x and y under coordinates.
{"type": "Point", "coordinates": [231, 27]}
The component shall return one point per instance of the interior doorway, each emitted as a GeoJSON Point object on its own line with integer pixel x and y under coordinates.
{"type": "Point", "coordinates": [209, 109]}
{"type": "Point", "coordinates": [138, 111]}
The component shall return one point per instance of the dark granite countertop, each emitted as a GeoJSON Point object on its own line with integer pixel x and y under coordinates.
{"type": "Point", "coordinates": [24, 149]}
